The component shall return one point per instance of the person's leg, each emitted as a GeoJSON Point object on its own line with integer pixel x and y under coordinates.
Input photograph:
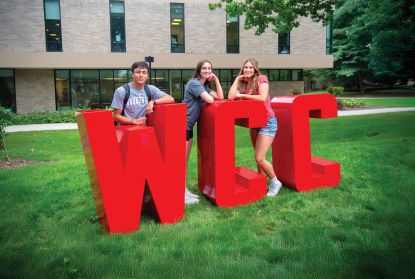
{"type": "Point", "coordinates": [263, 143]}
{"type": "Point", "coordinates": [254, 135]}
{"type": "Point", "coordinates": [190, 198]}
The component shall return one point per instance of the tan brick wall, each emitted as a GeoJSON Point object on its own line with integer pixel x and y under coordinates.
{"type": "Point", "coordinates": [284, 88]}
{"type": "Point", "coordinates": [35, 90]}
{"type": "Point", "coordinates": [85, 26]}
{"type": "Point", "coordinates": [309, 38]}
{"type": "Point", "coordinates": [147, 27]}
{"type": "Point", "coordinates": [205, 29]}
{"type": "Point", "coordinates": [22, 26]}
{"type": "Point", "coordinates": [251, 44]}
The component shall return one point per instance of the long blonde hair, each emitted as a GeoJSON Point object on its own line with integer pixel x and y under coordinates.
{"type": "Point", "coordinates": [254, 84]}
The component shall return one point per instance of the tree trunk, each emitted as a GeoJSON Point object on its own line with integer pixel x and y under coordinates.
{"type": "Point", "coordinates": [5, 149]}
{"type": "Point", "coordinates": [361, 86]}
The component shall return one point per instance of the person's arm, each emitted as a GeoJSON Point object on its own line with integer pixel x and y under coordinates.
{"type": "Point", "coordinates": [165, 99]}
{"type": "Point", "coordinates": [233, 91]}
{"type": "Point", "coordinates": [127, 121]}
{"type": "Point", "coordinates": [218, 94]}
{"type": "Point", "coordinates": [207, 97]}
{"type": "Point", "coordinates": [262, 93]}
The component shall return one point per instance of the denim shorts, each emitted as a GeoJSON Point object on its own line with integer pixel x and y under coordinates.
{"type": "Point", "coordinates": [269, 130]}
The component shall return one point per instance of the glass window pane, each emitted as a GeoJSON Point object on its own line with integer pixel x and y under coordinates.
{"type": "Point", "coordinates": [177, 86]}
{"type": "Point", "coordinates": [284, 43]}
{"type": "Point", "coordinates": [297, 75]}
{"type": "Point", "coordinates": [161, 79]}
{"type": "Point", "coordinates": [63, 98]}
{"type": "Point", "coordinates": [85, 88]}
{"type": "Point", "coordinates": [232, 34]}
{"type": "Point", "coordinates": [7, 89]}
{"type": "Point", "coordinates": [52, 9]}
{"type": "Point", "coordinates": [284, 75]}
{"type": "Point", "coordinates": [177, 27]}
{"type": "Point", "coordinates": [106, 85]}
{"type": "Point", "coordinates": [117, 21]}
{"type": "Point", "coordinates": [274, 75]}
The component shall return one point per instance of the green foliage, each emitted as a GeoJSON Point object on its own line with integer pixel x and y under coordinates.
{"type": "Point", "coordinates": [297, 91]}
{"type": "Point", "coordinates": [353, 103]}
{"type": "Point", "coordinates": [336, 90]}
{"type": "Point", "coordinates": [363, 228]}
{"type": "Point", "coordinates": [282, 15]}
{"type": "Point", "coordinates": [374, 39]}
{"type": "Point", "coordinates": [40, 117]}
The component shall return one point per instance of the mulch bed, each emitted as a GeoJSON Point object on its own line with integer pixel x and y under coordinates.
{"type": "Point", "coordinates": [16, 163]}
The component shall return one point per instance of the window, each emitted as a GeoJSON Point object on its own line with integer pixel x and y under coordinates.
{"type": "Point", "coordinates": [177, 27]}
{"type": "Point", "coordinates": [232, 34]}
{"type": "Point", "coordinates": [284, 43]}
{"type": "Point", "coordinates": [117, 21]}
{"type": "Point", "coordinates": [7, 89]}
{"type": "Point", "coordinates": [329, 35]}
{"type": "Point", "coordinates": [53, 25]}
{"type": "Point", "coordinates": [85, 88]}
{"type": "Point", "coordinates": [62, 89]}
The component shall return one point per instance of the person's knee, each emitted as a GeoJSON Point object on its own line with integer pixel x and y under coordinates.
{"type": "Point", "coordinates": [260, 159]}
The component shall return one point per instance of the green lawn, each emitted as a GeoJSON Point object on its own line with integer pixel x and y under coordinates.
{"type": "Point", "coordinates": [362, 229]}
{"type": "Point", "coordinates": [388, 102]}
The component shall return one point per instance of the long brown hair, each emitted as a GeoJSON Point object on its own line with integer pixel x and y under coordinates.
{"type": "Point", "coordinates": [196, 73]}
{"type": "Point", "coordinates": [254, 84]}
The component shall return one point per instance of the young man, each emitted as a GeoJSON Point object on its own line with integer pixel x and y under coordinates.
{"type": "Point", "coordinates": [138, 104]}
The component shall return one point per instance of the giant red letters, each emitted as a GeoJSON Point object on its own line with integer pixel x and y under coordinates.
{"type": "Point", "coordinates": [121, 159]}
{"type": "Point", "coordinates": [291, 153]}
{"type": "Point", "coordinates": [219, 179]}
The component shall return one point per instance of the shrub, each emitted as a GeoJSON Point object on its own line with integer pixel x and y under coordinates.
{"type": "Point", "coordinates": [7, 116]}
{"type": "Point", "coordinates": [297, 91]}
{"type": "Point", "coordinates": [66, 116]}
{"type": "Point", "coordinates": [353, 103]}
{"type": "Point", "coordinates": [336, 90]}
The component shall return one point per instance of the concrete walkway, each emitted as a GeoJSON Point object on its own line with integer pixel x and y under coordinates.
{"type": "Point", "coordinates": [69, 126]}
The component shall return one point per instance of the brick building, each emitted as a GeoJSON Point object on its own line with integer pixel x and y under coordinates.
{"type": "Point", "coordinates": [57, 54]}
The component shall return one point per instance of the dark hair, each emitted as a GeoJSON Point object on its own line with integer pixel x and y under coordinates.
{"type": "Point", "coordinates": [199, 66]}
{"type": "Point", "coordinates": [140, 65]}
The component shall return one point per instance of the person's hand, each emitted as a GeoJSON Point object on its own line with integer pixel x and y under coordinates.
{"type": "Point", "coordinates": [238, 95]}
{"type": "Point", "coordinates": [139, 121]}
{"type": "Point", "coordinates": [213, 77]}
{"type": "Point", "coordinates": [150, 107]}
{"type": "Point", "coordinates": [242, 78]}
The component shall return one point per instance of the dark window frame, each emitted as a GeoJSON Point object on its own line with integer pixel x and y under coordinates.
{"type": "Point", "coordinates": [51, 22]}
{"type": "Point", "coordinates": [284, 47]}
{"type": "Point", "coordinates": [177, 47]}
{"type": "Point", "coordinates": [115, 46]}
{"type": "Point", "coordinates": [230, 49]}
{"type": "Point", "coordinates": [14, 100]}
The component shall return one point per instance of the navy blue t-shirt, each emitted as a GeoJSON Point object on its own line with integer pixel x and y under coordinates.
{"type": "Point", "coordinates": [193, 101]}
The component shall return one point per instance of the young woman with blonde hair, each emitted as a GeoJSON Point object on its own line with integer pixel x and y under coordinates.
{"type": "Point", "coordinates": [250, 84]}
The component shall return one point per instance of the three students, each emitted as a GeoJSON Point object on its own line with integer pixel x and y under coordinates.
{"type": "Point", "coordinates": [250, 84]}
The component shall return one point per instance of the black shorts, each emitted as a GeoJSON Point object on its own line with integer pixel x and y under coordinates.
{"type": "Point", "coordinates": [189, 135]}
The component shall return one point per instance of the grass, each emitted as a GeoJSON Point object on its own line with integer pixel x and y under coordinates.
{"type": "Point", "coordinates": [388, 102]}
{"type": "Point", "coordinates": [362, 229]}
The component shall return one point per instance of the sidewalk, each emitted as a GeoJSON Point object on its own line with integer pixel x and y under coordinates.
{"type": "Point", "coordinates": [72, 126]}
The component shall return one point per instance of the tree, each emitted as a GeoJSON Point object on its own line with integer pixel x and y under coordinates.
{"type": "Point", "coordinates": [391, 25]}
{"type": "Point", "coordinates": [282, 15]}
{"type": "Point", "coordinates": [3, 124]}
{"type": "Point", "coordinates": [374, 39]}
{"type": "Point", "coordinates": [351, 41]}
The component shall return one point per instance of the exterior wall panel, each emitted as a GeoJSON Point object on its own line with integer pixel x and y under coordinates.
{"type": "Point", "coordinates": [35, 90]}
{"type": "Point", "coordinates": [22, 26]}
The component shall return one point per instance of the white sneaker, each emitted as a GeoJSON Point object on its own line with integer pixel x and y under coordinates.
{"type": "Point", "coordinates": [274, 188]}
{"type": "Point", "coordinates": [190, 200]}
{"type": "Point", "coordinates": [190, 194]}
